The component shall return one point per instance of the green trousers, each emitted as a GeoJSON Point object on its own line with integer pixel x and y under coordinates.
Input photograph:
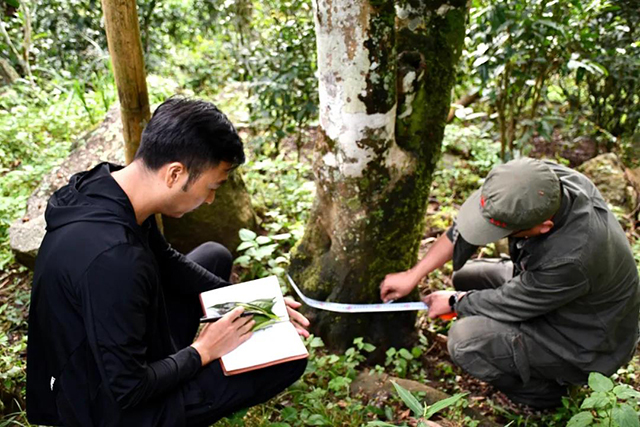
{"type": "Point", "coordinates": [499, 353]}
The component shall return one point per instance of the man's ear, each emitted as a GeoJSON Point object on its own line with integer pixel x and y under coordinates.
{"type": "Point", "coordinates": [546, 226]}
{"type": "Point", "coordinates": [173, 173]}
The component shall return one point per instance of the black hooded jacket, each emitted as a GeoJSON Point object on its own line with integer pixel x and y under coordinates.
{"type": "Point", "coordinates": [99, 350]}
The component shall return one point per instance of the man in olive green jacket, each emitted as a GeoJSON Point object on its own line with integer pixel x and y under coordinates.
{"type": "Point", "coordinates": [564, 305]}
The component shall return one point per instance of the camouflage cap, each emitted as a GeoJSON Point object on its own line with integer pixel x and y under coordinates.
{"type": "Point", "coordinates": [515, 196]}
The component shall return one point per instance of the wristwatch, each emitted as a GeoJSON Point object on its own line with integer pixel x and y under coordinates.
{"type": "Point", "coordinates": [453, 300]}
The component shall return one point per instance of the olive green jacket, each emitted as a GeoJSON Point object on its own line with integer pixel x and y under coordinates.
{"type": "Point", "coordinates": [575, 290]}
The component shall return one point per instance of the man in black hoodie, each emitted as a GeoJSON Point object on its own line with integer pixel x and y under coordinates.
{"type": "Point", "coordinates": [114, 309]}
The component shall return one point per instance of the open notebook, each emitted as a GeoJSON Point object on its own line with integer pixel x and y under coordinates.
{"type": "Point", "coordinates": [277, 343]}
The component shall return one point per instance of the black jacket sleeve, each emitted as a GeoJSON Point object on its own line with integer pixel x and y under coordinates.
{"type": "Point", "coordinates": [462, 250]}
{"type": "Point", "coordinates": [179, 273]}
{"type": "Point", "coordinates": [120, 302]}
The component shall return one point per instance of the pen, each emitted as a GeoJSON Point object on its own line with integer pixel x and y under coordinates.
{"type": "Point", "coordinates": [215, 319]}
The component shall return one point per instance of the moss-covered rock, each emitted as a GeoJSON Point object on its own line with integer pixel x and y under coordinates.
{"type": "Point", "coordinates": [608, 174]}
{"type": "Point", "coordinates": [219, 222]}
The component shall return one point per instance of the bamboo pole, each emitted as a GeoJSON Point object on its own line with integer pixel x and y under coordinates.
{"type": "Point", "coordinates": [125, 49]}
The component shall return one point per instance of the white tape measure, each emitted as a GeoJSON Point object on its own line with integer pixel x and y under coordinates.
{"type": "Point", "coordinates": [357, 308]}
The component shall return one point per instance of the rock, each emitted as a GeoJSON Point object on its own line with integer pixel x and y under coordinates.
{"type": "Point", "coordinates": [25, 238]}
{"type": "Point", "coordinates": [7, 74]}
{"type": "Point", "coordinates": [220, 221]}
{"type": "Point", "coordinates": [105, 143]}
{"type": "Point", "coordinates": [375, 385]}
{"type": "Point", "coordinates": [608, 174]}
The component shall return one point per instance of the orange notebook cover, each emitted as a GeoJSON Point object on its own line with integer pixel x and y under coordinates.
{"type": "Point", "coordinates": [278, 343]}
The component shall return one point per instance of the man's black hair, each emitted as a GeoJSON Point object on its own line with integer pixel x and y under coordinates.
{"type": "Point", "coordinates": [190, 131]}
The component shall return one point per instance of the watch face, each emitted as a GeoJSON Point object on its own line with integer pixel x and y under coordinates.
{"type": "Point", "coordinates": [452, 300]}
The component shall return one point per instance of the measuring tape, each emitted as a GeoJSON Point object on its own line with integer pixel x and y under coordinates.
{"type": "Point", "coordinates": [357, 308]}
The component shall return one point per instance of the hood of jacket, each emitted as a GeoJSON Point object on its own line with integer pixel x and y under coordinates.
{"type": "Point", "coordinates": [91, 196]}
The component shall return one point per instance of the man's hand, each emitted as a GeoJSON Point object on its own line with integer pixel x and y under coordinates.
{"type": "Point", "coordinates": [219, 338]}
{"type": "Point", "coordinates": [299, 321]}
{"type": "Point", "coordinates": [397, 285]}
{"type": "Point", "coordinates": [438, 303]}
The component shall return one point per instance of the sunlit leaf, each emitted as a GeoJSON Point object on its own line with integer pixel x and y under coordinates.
{"type": "Point", "coordinates": [441, 404]}
{"type": "Point", "coordinates": [599, 382]}
{"type": "Point", "coordinates": [409, 400]}
{"type": "Point", "coordinates": [625, 392]}
{"type": "Point", "coordinates": [595, 401]}
{"type": "Point", "coordinates": [625, 416]}
{"type": "Point", "coordinates": [246, 235]}
{"type": "Point", "coordinates": [581, 419]}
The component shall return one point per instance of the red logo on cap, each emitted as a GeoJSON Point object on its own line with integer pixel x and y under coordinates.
{"type": "Point", "coordinates": [491, 220]}
{"type": "Point", "coordinates": [498, 223]}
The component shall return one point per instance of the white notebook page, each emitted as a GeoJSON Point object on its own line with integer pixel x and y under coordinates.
{"type": "Point", "coordinates": [279, 341]}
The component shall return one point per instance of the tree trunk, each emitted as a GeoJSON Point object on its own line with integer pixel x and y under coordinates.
{"type": "Point", "coordinates": [386, 75]}
{"type": "Point", "coordinates": [123, 38]}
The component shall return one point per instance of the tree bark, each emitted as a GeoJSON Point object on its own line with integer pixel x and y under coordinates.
{"type": "Point", "coordinates": [123, 38]}
{"type": "Point", "coordinates": [386, 72]}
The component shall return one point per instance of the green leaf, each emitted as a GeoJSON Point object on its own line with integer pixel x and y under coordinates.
{"type": "Point", "coordinates": [13, 3]}
{"type": "Point", "coordinates": [283, 236]}
{"type": "Point", "coordinates": [480, 61]}
{"type": "Point", "coordinates": [246, 235]}
{"type": "Point", "coordinates": [368, 347]}
{"type": "Point", "coordinates": [409, 400]}
{"type": "Point", "coordinates": [590, 66]}
{"type": "Point", "coordinates": [279, 425]}
{"type": "Point", "coordinates": [238, 415]}
{"type": "Point", "coordinates": [316, 342]}
{"type": "Point", "coordinates": [597, 400]}
{"type": "Point", "coordinates": [625, 416]}
{"type": "Point", "coordinates": [318, 420]}
{"type": "Point", "coordinates": [339, 384]}
{"type": "Point", "coordinates": [289, 413]}
{"type": "Point", "coordinates": [551, 24]}
{"type": "Point", "coordinates": [444, 403]}
{"type": "Point", "coordinates": [625, 392]}
{"type": "Point", "coordinates": [243, 260]}
{"type": "Point", "coordinates": [404, 353]}
{"type": "Point", "coordinates": [262, 240]}
{"type": "Point", "coordinates": [380, 423]}
{"type": "Point", "coordinates": [599, 382]}
{"type": "Point", "coordinates": [244, 245]}
{"type": "Point", "coordinates": [581, 419]}
{"type": "Point", "coordinates": [265, 251]}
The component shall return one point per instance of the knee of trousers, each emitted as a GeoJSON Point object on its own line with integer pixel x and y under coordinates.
{"type": "Point", "coordinates": [461, 332]}
{"type": "Point", "coordinates": [223, 258]}
{"type": "Point", "coordinates": [487, 349]}
{"type": "Point", "coordinates": [296, 369]}
{"type": "Point", "coordinates": [218, 251]}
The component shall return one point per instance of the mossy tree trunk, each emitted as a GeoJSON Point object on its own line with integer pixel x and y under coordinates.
{"type": "Point", "coordinates": [386, 72]}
